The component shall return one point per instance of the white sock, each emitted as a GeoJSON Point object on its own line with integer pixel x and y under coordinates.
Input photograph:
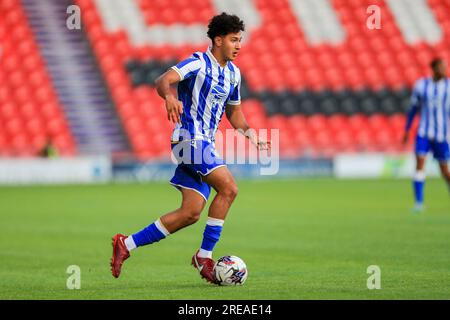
{"type": "Point", "coordinates": [129, 243]}
{"type": "Point", "coordinates": [161, 227]}
{"type": "Point", "coordinates": [420, 175]}
{"type": "Point", "coordinates": [214, 222]}
{"type": "Point", "coordinates": [204, 254]}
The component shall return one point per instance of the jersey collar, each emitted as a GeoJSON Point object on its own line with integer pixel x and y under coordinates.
{"type": "Point", "coordinates": [211, 56]}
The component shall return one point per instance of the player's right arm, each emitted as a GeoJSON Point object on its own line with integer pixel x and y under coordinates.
{"type": "Point", "coordinates": [174, 107]}
{"type": "Point", "coordinates": [183, 70]}
{"type": "Point", "coordinates": [413, 109]}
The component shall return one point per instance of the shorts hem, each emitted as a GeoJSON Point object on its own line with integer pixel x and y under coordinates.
{"type": "Point", "coordinates": [211, 170]}
{"type": "Point", "coordinates": [181, 186]}
{"type": "Point", "coordinates": [422, 154]}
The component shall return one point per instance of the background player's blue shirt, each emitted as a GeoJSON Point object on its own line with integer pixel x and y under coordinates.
{"type": "Point", "coordinates": [205, 89]}
{"type": "Point", "coordinates": [432, 100]}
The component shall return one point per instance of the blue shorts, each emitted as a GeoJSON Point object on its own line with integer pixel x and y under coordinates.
{"type": "Point", "coordinates": [195, 158]}
{"type": "Point", "coordinates": [441, 151]}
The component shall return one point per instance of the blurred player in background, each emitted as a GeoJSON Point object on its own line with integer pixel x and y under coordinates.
{"type": "Point", "coordinates": [208, 86]}
{"type": "Point", "coordinates": [430, 98]}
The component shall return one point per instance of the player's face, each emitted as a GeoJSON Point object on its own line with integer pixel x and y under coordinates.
{"type": "Point", "coordinates": [231, 44]}
{"type": "Point", "coordinates": [440, 70]}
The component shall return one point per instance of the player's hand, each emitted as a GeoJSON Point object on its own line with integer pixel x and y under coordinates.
{"type": "Point", "coordinates": [174, 109]}
{"type": "Point", "coordinates": [261, 144]}
{"type": "Point", "coordinates": [264, 145]}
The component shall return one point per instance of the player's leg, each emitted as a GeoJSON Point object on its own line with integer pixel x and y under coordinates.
{"type": "Point", "coordinates": [194, 193]}
{"type": "Point", "coordinates": [419, 182]}
{"type": "Point", "coordinates": [441, 152]}
{"type": "Point", "coordinates": [445, 173]}
{"type": "Point", "coordinates": [189, 212]}
{"type": "Point", "coordinates": [224, 184]}
{"type": "Point", "coordinates": [422, 147]}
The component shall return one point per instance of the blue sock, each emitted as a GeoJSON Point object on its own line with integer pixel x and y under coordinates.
{"type": "Point", "coordinates": [418, 191]}
{"type": "Point", "coordinates": [211, 234]}
{"type": "Point", "coordinates": [419, 184]}
{"type": "Point", "coordinates": [153, 233]}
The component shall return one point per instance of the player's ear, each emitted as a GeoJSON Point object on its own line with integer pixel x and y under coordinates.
{"type": "Point", "coordinates": [218, 41]}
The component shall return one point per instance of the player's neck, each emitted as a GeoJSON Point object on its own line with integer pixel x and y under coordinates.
{"type": "Point", "coordinates": [221, 60]}
{"type": "Point", "coordinates": [437, 78]}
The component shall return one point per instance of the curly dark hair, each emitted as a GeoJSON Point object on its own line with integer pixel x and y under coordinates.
{"type": "Point", "coordinates": [223, 24]}
{"type": "Point", "coordinates": [435, 62]}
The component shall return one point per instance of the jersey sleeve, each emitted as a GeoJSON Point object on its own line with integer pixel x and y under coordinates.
{"type": "Point", "coordinates": [187, 68]}
{"type": "Point", "coordinates": [235, 98]}
{"type": "Point", "coordinates": [416, 96]}
{"type": "Point", "coordinates": [415, 103]}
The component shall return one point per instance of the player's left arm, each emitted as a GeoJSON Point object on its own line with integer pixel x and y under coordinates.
{"type": "Point", "coordinates": [234, 113]}
{"type": "Point", "coordinates": [237, 119]}
{"type": "Point", "coordinates": [415, 105]}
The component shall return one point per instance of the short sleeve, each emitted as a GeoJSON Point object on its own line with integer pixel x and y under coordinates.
{"type": "Point", "coordinates": [235, 98]}
{"type": "Point", "coordinates": [187, 68]}
{"type": "Point", "coordinates": [416, 96]}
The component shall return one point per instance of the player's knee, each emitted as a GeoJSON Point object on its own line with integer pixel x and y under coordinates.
{"type": "Point", "coordinates": [446, 175]}
{"type": "Point", "coordinates": [192, 215]}
{"type": "Point", "coordinates": [230, 192]}
{"type": "Point", "coordinates": [234, 191]}
{"type": "Point", "coordinates": [192, 218]}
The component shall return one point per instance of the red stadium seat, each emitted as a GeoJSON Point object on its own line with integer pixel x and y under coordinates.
{"type": "Point", "coordinates": [302, 138]}
{"type": "Point", "coordinates": [366, 58]}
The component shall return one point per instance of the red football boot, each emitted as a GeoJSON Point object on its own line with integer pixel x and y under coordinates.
{"type": "Point", "coordinates": [120, 254]}
{"type": "Point", "coordinates": [205, 266]}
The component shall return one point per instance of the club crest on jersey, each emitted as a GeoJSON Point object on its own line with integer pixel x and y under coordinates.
{"type": "Point", "coordinates": [216, 95]}
{"type": "Point", "coordinates": [218, 92]}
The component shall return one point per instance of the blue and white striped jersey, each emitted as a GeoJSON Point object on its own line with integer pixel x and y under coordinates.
{"type": "Point", "coordinates": [205, 89]}
{"type": "Point", "coordinates": [432, 100]}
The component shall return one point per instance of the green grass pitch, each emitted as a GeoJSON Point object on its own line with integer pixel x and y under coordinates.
{"type": "Point", "coordinates": [301, 239]}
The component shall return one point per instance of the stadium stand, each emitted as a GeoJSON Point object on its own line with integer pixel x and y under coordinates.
{"type": "Point", "coordinates": [76, 77]}
{"type": "Point", "coordinates": [343, 88]}
{"type": "Point", "coordinates": [30, 113]}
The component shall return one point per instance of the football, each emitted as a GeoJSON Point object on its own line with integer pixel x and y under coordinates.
{"type": "Point", "coordinates": [230, 271]}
